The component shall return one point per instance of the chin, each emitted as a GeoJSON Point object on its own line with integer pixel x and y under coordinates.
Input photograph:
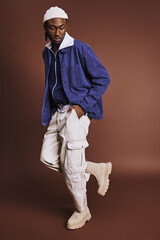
{"type": "Point", "coordinates": [57, 43]}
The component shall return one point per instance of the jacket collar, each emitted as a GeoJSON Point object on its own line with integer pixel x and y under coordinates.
{"type": "Point", "coordinates": [68, 41]}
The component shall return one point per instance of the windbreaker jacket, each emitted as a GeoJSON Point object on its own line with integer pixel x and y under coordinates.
{"type": "Point", "coordinates": [83, 76]}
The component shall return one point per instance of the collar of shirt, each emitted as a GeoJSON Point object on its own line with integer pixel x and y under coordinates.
{"type": "Point", "coordinates": [68, 41]}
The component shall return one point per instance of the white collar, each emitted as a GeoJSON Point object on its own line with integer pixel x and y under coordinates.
{"type": "Point", "coordinates": [67, 42]}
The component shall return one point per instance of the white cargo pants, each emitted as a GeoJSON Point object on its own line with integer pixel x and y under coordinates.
{"type": "Point", "coordinates": [63, 150]}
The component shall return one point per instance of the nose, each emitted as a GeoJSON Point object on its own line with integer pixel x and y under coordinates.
{"type": "Point", "coordinates": [57, 32]}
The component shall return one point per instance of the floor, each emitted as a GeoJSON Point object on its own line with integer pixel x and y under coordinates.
{"type": "Point", "coordinates": [33, 208]}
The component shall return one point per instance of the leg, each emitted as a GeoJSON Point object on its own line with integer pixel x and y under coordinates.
{"type": "Point", "coordinates": [50, 151]}
{"type": "Point", "coordinates": [73, 165]}
{"type": "Point", "coordinates": [73, 156]}
{"type": "Point", "coordinates": [101, 172]}
{"type": "Point", "coordinates": [78, 219]}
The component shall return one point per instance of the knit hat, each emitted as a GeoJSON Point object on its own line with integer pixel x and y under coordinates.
{"type": "Point", "coordinates": [54, 12]}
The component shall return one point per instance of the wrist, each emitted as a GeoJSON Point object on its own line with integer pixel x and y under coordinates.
{"type": "Point", "coordinates": [82, 109]}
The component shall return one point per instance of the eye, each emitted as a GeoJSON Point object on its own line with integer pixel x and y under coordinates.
{"type": "Point", "coordinates": [52, 28]}
{"type": "Point", "coordinates": [62, 28]}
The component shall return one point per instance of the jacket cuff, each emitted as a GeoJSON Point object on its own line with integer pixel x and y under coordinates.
{"type": "Point", "coordinates": [84, 106]}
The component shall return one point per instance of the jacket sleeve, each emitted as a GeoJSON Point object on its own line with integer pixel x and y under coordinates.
{"type": "Point", "coordinates": [98, 75]}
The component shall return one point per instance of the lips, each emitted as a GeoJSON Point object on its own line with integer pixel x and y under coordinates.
{"type": "Point", "coordinates": [57, 39]}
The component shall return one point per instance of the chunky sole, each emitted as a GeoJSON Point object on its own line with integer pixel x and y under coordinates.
{"type": "Point", "coordinates": [108, 169]}
{"type": "Point", "coordinates": [81, 223]}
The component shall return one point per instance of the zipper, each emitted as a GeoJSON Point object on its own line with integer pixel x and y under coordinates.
{"type": "Point", "coordinates": [55, 67]}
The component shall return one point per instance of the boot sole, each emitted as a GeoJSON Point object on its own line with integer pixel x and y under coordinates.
{"type": "Point", "coordinates": [108, 171]}
{"type": "Point", "coordinates": [81, 223]}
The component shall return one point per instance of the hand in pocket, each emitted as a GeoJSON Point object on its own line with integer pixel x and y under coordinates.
{"type": "Point", "coordinates": [79, 110]}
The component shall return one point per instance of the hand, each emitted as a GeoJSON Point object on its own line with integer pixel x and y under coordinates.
{"type": "Point", "coordinates": [79, 110]}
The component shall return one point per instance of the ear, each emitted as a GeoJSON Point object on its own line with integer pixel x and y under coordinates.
{"type": "Point", "coordinates": [66, 28]}
{"type": "Point", "coordinates": [66, 24]}
{"type": "Point", "coordinates": [45, 26]}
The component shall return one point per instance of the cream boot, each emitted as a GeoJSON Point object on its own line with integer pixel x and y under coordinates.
{"type": "Point", "coordinates": [78, 219]}
{"type": "Point", "coordinates": [101, 172]}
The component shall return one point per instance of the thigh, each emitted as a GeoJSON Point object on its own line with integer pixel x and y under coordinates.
{"type": "Point", "coordinates": [75, 128]}
{"type": "Point", "coordinates": [51, 143]}
{"type": "Point", "coordinates": [74, 143]}
{"type": "Point", "coordinates": [84, 122]}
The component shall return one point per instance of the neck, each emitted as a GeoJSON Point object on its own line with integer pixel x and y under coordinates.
{"type": "Point", "coordinates": [55, 47]}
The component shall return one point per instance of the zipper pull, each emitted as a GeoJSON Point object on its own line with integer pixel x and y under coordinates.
{"type": "Point", "coordinates": [55, 54]}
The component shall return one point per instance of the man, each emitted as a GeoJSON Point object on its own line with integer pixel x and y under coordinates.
{"type": "Point", "coordinates": [75, 81]}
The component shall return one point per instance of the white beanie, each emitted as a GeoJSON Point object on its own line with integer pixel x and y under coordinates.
{"type": "Point", "coordinates": [54, 12]}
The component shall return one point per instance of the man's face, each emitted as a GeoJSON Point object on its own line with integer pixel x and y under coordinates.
{"type": "Point", "coordinates": [56, 29]}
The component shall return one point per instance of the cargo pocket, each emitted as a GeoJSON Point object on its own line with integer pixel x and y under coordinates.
{"type": "Point", "coordinates": [77, 145]}
{"type": "Point", "coordinates": [75, 156]}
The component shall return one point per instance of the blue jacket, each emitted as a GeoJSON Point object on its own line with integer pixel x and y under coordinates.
{"type": "Point", "coordinates": [83, 76]}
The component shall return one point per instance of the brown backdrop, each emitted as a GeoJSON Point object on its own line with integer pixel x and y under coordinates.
{"type": "Point", "coordinates": [34, 201]}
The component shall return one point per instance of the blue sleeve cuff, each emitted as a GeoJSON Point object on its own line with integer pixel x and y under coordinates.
{"type": "Point", "coordinates": [84, 106]}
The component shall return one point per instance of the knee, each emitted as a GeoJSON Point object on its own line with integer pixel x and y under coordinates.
{"type": "Point", "coordinates": [48, 157]}
{"type": "Point", "coordinates": [42, 157]}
